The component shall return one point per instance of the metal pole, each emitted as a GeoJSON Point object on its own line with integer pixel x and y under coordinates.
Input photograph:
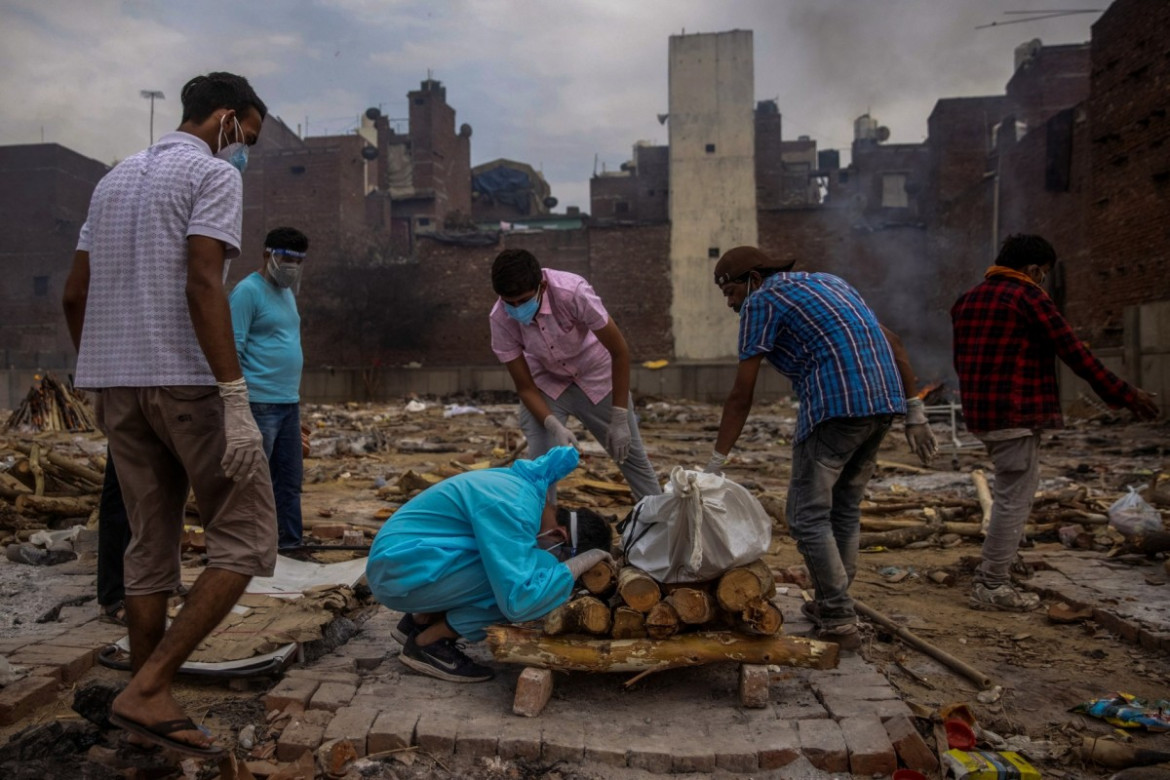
{"type": "Point", "coordinates": [151, 94]}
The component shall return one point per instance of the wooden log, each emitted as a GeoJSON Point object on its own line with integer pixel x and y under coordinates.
{"type": "Point", "coordinates": [889, 508]}
{"type": "Point", "coordinates": [511, 644]}
{"type": "Point", "coordinates": [662, 621]}
{"type": "Point", "coordinates": [760, 618]}
{"type": "Point", "coordinates": [79, 506]}
{"type": "Point", "coordinates": [693, 605]}
{"type": "Point", "coordinates": [899, 537]}
{"type": "Point", "coordinates": [64, 464]}
{"type": "Point", "coordinates": [11, 487]}
{"type": "Point", "coordinates": [983, 492]}
{"type": "Point", "coordinates": [740, 585]}
{"type": "Point", "coordinates": [585, 615]}
{"type": "Point", "coordinates": [1146, 543]}
{"type": "Point", "coordinates": [628, 623]}
{"type": "Point", "coordinates": [601, 580]}
{"type": "Point", "coordinates": [959, 529]}
{"type": "Point", "coordinates": [638, 589]}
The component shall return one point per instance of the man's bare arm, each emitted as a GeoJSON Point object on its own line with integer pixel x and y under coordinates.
{"type": "Point", "coordinates": [76, 295]}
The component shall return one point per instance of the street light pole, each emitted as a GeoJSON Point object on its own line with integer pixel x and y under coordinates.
{"type": "Point", "coordinates": [152, 94]}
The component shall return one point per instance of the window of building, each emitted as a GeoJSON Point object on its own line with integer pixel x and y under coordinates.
{"type": "Point", "coordinates": [424, 221]}
{"type": "Point", "coordinates": [40, 286]}
{"type": "Point", "coordinates": [650, 193]}
{"type": "Point", "coordinates": [710, 148]}
{"type": "Point", "coordinates": [713, 252]}
{"type": "Point", "coordinates": [296, 170]}
{"type": "Point", "coordinates": [621, 207]}
{"type": "Point", "coordinates": [894, 191]}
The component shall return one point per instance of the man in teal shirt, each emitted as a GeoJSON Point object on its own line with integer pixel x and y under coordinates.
{"type": "Point", "coordinates": [268, 340]}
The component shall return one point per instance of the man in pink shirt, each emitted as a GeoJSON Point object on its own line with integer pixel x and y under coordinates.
{"type": "Point", "coordinates": [567, 357]}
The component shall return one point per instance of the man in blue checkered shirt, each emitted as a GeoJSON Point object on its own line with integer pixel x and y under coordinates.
{"type": "Point", "coordinates": [851, 377]}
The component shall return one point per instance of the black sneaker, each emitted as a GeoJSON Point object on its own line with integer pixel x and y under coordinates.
{"type": "Point", "coordinates": [444, 660]}
{"type": "Point", "coordinates": [406, 628]}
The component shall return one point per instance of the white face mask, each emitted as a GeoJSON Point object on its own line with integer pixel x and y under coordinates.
{"type": "Point", "coordinates": [235, 153]}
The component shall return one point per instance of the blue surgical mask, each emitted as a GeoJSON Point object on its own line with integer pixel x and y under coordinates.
{"type": "Point", "coordinates": [236, 153]}
{"type": "Point", "coordinates": [525, 311]}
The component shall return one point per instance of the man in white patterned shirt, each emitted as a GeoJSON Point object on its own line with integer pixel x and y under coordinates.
{"type": "Point", "coordinates": [148, 313]}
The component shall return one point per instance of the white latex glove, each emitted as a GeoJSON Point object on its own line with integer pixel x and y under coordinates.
{"type": "Point", "coordinates": [245, 446]}
{"type": "Point", "coordinates": [716, 464]}
{"type": "Point", "coordinates": [619, 435]}
{"type": "Point", "coordinates": [918, 434]}
{"type": "Point", "coordinates": [579, 564]}
{"type": "Point", "coordinates": [561, 436]}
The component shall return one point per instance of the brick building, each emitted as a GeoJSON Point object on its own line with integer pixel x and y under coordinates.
{"type": "Point", "coordinates": [44, 197]}
{"type": "Point", "coordinates": [639, 192]}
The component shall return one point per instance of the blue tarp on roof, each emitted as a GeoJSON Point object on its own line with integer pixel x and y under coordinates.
{"type": "Point", "coordinates": [509, 186]}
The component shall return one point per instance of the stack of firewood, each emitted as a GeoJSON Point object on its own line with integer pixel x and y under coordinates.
{"type": "Point", "coordinates": [627, 603]}
{"type": "Point", "coordinates": [52, 405]}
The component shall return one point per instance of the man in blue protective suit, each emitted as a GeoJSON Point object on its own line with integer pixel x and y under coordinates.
{"type": "Point", "coordinates": [471, 551]}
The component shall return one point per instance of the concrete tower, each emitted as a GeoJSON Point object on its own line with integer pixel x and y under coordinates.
{"type": "Point", "coordinates": [712, 182]}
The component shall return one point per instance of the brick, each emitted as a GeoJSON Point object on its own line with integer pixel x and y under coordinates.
{"type": "Point", "coordinates": [70, 662]}
{"type": "Point", "coordinates": [735, 753]}
{"type": "Point", "coordinates": [20, 698]}
{"type": "Point", "coordinates": [776, 743]}
{"type": "Point", "coordinates": [843, 707]}
{"type": "Point", "coordinates": [519, 738]}
{"type": "Point", "coordinates": [867, 693]}
{"type": "Point", "coordinates": [647, 748]}
{"type": "Point", "coordinates": [365, 655]}
{"type": "Point", "coordinates": [690, 755]}
{"type": "Point", "coordinates": [352, 723]}
{"type": "Point", "coordinates": [823, 745]}
{"type": "Point", "coordinates": [851, 680]}
{"type": "Point", "coordinates": [478, 736]}
{"type": "Point", "coordinates": [436, 732]}
{"type": "Point", "coordinates": [295, 691]}
{"type": "Point", "coordinates": [605, 744]}
{"type": "Point", "coordinates": [533, 689]}
{"type": "Point", "coordinates": [332, 675]}
{"type": "Point", "coordinates": [564, 742]}
{"type": "Point", "coordinates": [870, 750]}
{"type": "Point", "coordinates": [94, 634]}
{"type": "Point", "coordinates": [754, 685]}
{"type": "Point", "coordinates": [391, 730]}
{"type": "Point", "coordinates": [332, 696]}
{"type": "Point", "coordinates": [910, 746]}
{"type": "Point", "coordinates": [298, 737]}
{"type": "Point", "coordinates": [328, 530]}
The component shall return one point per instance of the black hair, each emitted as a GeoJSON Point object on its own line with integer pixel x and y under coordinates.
{"type": "Point", "coordinates": [203, 95]}
{"type": "Point", "coordinates": [593, 532]}
{"type": "Point", "coordinates": [286, 238]}
{"type": "Point", "coordinates": [1023, 249]}
{"type": "Point", "coordinates": [515, 272]}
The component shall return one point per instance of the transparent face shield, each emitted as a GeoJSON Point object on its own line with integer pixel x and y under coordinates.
{"type": "Point", "coordinates": [559, 549]}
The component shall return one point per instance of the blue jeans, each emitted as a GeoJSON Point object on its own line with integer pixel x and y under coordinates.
{"type": "Point", "coordinates": [830, 469]}
{"type": "Point", "coordinates": [280, 425]}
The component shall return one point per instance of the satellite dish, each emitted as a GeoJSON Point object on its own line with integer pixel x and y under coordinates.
{"type": "Point", "coordinates": [662, 118]}
{"type": "Point", "coordinates": [465, 130]}
{"type": "Point", "coordinates": [369, 152]}
{"type": "Point", "coordinates": [372, 113]}
{"type": "Point", "coordinates": [883, 133]}
{"type": "Point", "coordinates": [550, 202]}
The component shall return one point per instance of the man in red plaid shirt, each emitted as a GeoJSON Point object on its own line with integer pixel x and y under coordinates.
{"type": "Point", "coordinates": [1007, 336]}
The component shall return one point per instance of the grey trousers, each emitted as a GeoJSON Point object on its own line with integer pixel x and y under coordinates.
{"type": "Point", "coordinates": [1017, 474]}
{"type": "Point", "coordinates": [637, 470]}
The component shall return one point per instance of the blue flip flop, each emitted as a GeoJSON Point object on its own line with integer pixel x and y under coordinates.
{"type": "Point", "coordinates": [158, 734]}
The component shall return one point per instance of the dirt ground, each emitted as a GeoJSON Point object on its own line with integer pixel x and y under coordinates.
{"type": "Point", "coordinates": [368, 459]}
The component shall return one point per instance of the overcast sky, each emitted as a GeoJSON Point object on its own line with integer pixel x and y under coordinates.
{"type": "Point", "coordinates": [549, 82]}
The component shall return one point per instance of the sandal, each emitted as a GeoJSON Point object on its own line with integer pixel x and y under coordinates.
{"type": "Point", "coordinates": [113, 613]}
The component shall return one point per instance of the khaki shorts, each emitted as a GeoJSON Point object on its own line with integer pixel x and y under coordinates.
{"type": "Point", "coordinates": [165, 440]}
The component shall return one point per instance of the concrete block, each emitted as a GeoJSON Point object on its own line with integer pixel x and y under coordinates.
{"type": "Point", "coordinates": [365, 655]}
{"type": "Point", "coordinates": [690, 755]}
{"type": "Point", "coordinates": [776, 742]}
{"type": "Point", "coordinates": [605, 743]}
{"type": "Point", "coordinates": [391, 730]}
{"type": "Point", "coordinates": [353, 724]}
{"type": "Point", "coordinates": [478, 736]}
{"type": "Point", "coordinates": [842, 707]}
{"type": "Point", "coordinates": [70, 662]}
{"type": "Point", "coordinates": [910, 746]}
{"type": "Point", "coordinates": [520, 738]}
{"type": "Point", "coordinates": [299, 737]}
{"type": "Point", "coordinates": [870, 750]}
{"type": "Point", "coordinates": [295, 691]}
{"type": "Point", "coordinates": [20, 698]}
{"type": "Point", "coordinates": [647, 748]}
{"type": "Point", "coordinates": [823, 745]}
{"type": "Point", "coordinates": [435, 733]}
{"type": "Point", "coordinates": [862, 693]}
{"type": "Point", "coordinates": [332, 696]}
{"type": "Point", "coordinates": [754, 685]}
{"type": "Point", "coordinates": [565, 742]}
{"type": "Point", "coordinates": [735, 753]}
{"type": "Point", "coordinates": [848, 680]}
{"type": "Point", "coordinates": [533, 690]}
